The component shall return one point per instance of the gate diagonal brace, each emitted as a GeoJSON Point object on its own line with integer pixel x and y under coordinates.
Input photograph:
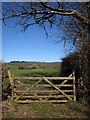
{"type": "Point", "coordinates": [28, 89]}
{"type": "Point", "coordinates": [65, 80]}
{"type": "Point", "coordinates": [56, 88]}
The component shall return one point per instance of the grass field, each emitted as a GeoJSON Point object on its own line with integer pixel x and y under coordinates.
{"type": "Point", "coordinates": [34, 68]}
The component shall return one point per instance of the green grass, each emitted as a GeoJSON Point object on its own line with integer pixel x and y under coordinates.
{"type": "Point", "coordinates": [74, 105]}
{"type": "Point", "coordinates": [35, 73]}
{"type": "Point", "coordinates": [79, 107]}
{"type": "Point", "coordinates": [47, 110]}
{"type": "Point", "coordinates": [34, 69]}
{"type": "Point", "coordinates": [16, 106]}
{"type": "Point", "coordinates": [10, 115]}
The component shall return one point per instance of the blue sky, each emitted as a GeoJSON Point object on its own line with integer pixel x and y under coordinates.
{"type": "Point", "coordinates": [31, 45]}
{"type": "Point", "coordinates": [0, 33]}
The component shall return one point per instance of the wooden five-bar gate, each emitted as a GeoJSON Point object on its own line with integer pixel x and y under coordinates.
{"type": "Point", "coordinates": [42, 89]}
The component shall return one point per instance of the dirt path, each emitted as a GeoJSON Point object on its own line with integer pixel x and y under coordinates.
{"type": "Point", "coordinates": [38, 110]}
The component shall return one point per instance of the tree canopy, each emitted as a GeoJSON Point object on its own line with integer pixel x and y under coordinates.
{"type": "Point", "coordinates": [44, 11]}
{"type": "Point", "coordinates": [72, 18]}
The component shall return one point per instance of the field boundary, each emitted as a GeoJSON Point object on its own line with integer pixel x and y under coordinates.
{"type": "Point", "coordinates": [43, 89]}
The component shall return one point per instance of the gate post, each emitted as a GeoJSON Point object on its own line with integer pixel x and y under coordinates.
{"type": "Point", "coordinates": [74, 87]}
{"type": "Point", "coordinates": [11, 82]}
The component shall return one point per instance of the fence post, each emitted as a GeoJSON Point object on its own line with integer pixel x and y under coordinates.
{"type": "Point", "coordinates": [11, 82]}
{"type": "Point", "coordinates": [74, 87]}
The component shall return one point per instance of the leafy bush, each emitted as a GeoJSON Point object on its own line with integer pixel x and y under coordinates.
{"type": "Point", "coordinates": [5, 81]}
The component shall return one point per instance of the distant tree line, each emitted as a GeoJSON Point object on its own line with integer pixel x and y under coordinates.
{"type": "Point", "coordinates": [17, 61]}
{"type": "Point", "coordinates": [26, 68]}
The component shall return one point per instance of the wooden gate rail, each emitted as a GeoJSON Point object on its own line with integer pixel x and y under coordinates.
{"type": "Point", "coordinates": [42, 89]}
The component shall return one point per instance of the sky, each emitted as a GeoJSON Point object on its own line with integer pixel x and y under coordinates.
{"type": "Point", "coordinates": [0, 33]}
{"type": "Point", "coordinates": [31, 45]}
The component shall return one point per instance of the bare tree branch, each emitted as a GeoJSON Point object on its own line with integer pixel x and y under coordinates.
{"type": "Point", "coordinates": [72, 12]}
{"type": "Point", "coordinates": [50, 10]}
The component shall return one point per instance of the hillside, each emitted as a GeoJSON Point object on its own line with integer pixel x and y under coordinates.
{"type": "Point", "coordinates": [23, 68]}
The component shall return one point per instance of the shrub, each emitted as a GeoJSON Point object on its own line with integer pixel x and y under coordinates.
{"type": "Point", "coordinates": [6, 90]}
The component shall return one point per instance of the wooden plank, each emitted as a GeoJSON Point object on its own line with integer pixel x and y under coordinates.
{"type": "Point", "coordinates": [28, 89]}
{"type": "Point", "coordinates": [41, 91]}
{"type": "Point", "coordinates": [70, 75]}
{"type": "Point", "coordinates": [59, 78]}
{"type": "Point", "coordinates": [57, 88]}
{"type": "Point", "coordinates": [45, 101]}
{"type": "Point", "coordinates": [20, 83]}
{"type": "Point", "coordinates": [35, 94]}
{"type": "Point", "coordinates": [38, 78]}
{"type": "Point", "coordinates": [43, 85]}
{"type": "Point", "coordinates": [42, 96]}
{"type": "Point", "coordinates": [11, 82]}
{"type": "Point", "coordinates": [27, 78]}
{"type": "Point", "coordinates": [10, 78]}
{"type": "Point", "coordinates": [63, 82]}
{"type": "Point", "coordinates": [74, 88]}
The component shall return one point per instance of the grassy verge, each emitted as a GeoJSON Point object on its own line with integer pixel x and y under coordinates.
{"type": "Point", "coordinates": [46, 110]}
{"type": "Point", "coordinates": [10, 114]}
{"type": "Point", "coordinates": [49, 110]}
{"type": "Point", "coordinates": [78, 107]}
{"type": "Point", "coordinates": [74, 105]}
